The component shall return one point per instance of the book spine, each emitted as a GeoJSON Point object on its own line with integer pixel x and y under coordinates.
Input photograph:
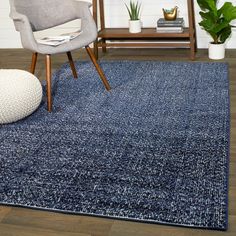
{"type": "Point", "coordinates": [173, 31]}
{"type": "Point", "coordinates": [169, 29]}
{"type": "Point", "coordinates": [169, 25]}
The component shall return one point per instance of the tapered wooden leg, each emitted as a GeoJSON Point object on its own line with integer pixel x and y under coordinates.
{"type": "Point", "coordinates": [72, 65]}
{"type": "Point", "coordinates": [33, 62]}
{"type": "Point", "coordinates": [98, 68]}
{"type": "Point", "coordinates": [48, 80]}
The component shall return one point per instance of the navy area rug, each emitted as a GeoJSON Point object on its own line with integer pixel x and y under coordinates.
{"type": "Point", "coordinates": [154, 149]}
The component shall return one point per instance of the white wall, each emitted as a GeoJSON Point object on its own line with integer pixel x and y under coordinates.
{"type": "Point", "coordinates": [8, 36]}
{"type": "Point", "coordinates": [116, 16]}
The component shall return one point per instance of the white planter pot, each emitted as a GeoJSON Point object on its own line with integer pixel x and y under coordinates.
{"type": "Point", "coordinates": [134, 26]}
{"type": "Point", "coordinates": [216, 51]}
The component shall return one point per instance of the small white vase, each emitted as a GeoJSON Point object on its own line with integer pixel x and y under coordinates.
{"type": "Point", "coordinates": [216, 51]}
{"type": "Point", "coordinates": [134, 26]}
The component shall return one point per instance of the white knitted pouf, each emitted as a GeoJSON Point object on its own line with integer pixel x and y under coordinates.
{"type": "Point", "coordinates": [20, 94]}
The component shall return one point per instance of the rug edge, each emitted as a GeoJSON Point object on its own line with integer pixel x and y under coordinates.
{"type": "Point", "coordinates": [112, 217]}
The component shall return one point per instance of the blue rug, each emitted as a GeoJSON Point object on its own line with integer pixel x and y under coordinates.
{"type": "Point", "coordinates": [154, 149]}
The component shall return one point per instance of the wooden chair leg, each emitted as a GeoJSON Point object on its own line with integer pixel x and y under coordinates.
{"type": "Point", "coordinates": [48, 80]}
{"type": "Point", "coordinates": [33, 62]}
{"type": "Point", "coordinates": [72, 65]}
{"type": "Point", "coordinates": [98, 68]}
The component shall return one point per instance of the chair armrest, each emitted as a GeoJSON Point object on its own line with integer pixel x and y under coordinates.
{"type": "Point", "coordinates": [17, 16]}
{"type": "Point", "coordinates": [82, 9]}
{"type": "Point", "coordinates": [22, 25]}
{"type": "Point", "coordinates": [87, 22]}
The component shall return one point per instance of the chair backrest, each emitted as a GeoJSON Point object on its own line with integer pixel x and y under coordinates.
{"type": "Point", "coordinates": [44, 14]}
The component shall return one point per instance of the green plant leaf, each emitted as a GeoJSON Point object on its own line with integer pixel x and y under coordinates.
{"type": "Point", "coordinates": [130, 15]}
{"type": "Point", "coordinates": [134, 10]}
{"type": "Point", "coordinates": [228, 11]}
{"type": "Point", "coordinates": [208, 15]}
{"type": "Point", "coordinates": [207, 25]}
{"type": "Point", "coordinates": [219, 27]}
{"type": "Point", "coordinates": [225, 33]}
{"type": "Point", "coordinates": [209, 5]}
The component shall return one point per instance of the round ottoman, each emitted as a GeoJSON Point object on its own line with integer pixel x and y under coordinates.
{"type": "Point", "coordinates": [20, 94]}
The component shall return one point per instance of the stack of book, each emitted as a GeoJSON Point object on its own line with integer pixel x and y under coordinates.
{"type": "Point", "coordinates": [167, 26]}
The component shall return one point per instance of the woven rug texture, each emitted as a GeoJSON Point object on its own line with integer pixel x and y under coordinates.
{"type": "Point", "coordinates": [154, 149]}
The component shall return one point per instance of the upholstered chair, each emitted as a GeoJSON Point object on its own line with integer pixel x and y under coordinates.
{"type": "Point", "coordinates": [34, 15]}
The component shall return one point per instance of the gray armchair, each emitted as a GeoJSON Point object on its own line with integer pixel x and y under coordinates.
{"type": "Point", "coordinates": [34, 15]}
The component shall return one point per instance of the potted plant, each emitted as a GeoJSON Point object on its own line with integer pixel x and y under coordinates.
{"type": "Point", "coordinates": [216, 21]}
{"type": "Point", "coordinates": [134, 14]}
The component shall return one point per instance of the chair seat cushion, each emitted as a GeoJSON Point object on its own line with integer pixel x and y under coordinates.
{"type": "Point", "coordinates": [20, 94]}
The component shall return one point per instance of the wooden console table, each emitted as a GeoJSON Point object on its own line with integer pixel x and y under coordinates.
{"type": "Point", "coordinates": [147, 38]}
